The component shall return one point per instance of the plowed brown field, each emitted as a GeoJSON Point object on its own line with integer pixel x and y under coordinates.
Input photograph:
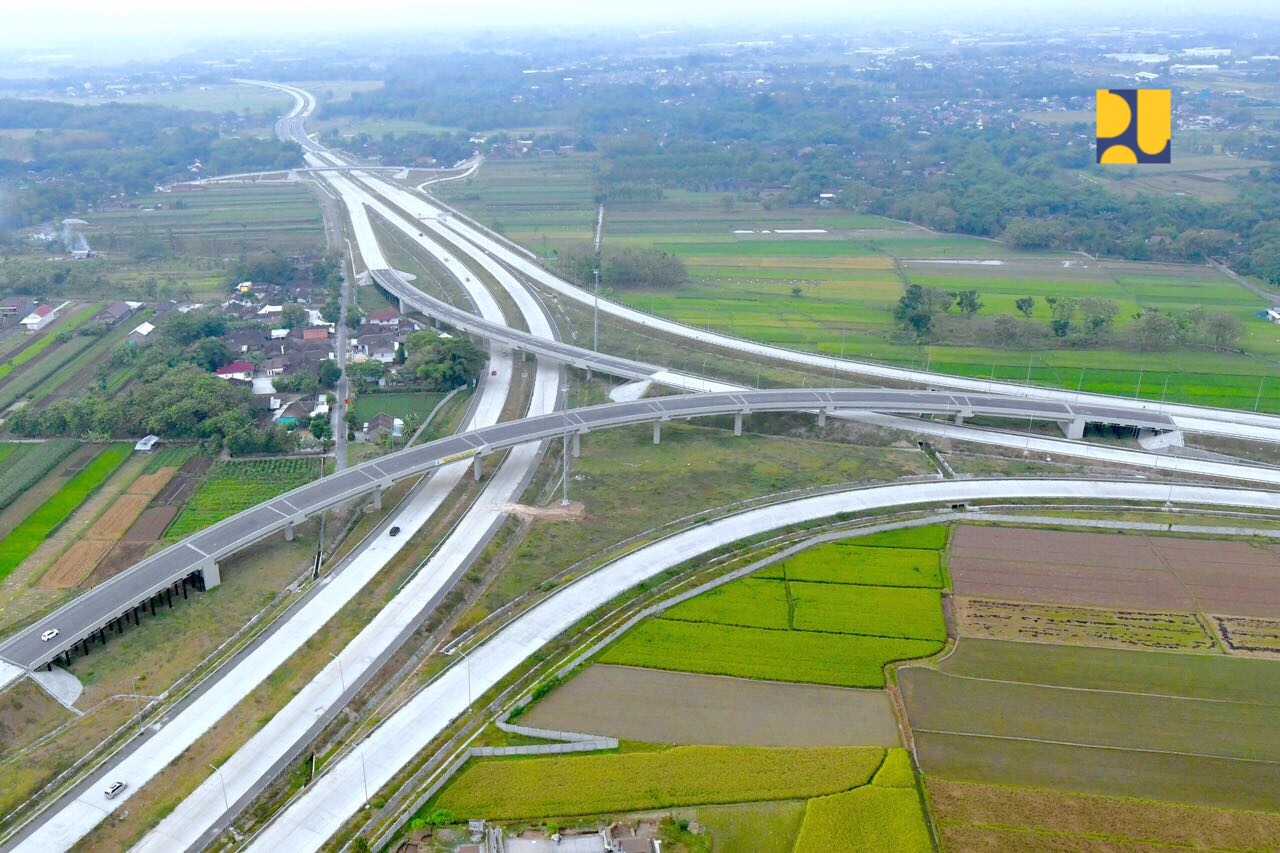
{"type": "Point", "coordinates": [76, 563]}
{"type": "Point", "coordinates": [1110, 570]}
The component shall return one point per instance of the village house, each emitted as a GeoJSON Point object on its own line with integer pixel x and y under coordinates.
{"type": "Point", "coordinates": [241, 370]}
{"type": "Point", "coordinates": [40, 316]}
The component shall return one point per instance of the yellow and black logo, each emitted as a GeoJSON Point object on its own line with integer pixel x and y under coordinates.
{"type": "Point", "coordinates": [1134, 125]}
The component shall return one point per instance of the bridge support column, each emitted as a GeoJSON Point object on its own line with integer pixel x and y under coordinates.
{"type": "Point", "coordinates": [377, 498]}
{"type": "Point", "coordinates": [822, 417]}
{"type": "Point", "coordinates": [657, 432]}
{"type": "Point", "coordinates": [209, 571]}
{"type": "Point", "coordinates": [477, 467]}
{"type": "Point", "coordinates": [577, 445]}
{"type": "Point", "coordinates": [288, 532]}
{"type": "Point", "coordinates": [737, 424]}
{"type": "Point", "coordinates": [1074, 428]}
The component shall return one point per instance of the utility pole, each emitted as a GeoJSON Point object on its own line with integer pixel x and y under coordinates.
{"type": "Point", "coordinates": [137, 703]}
{"type": "Point", "coordinates": [342, 678]}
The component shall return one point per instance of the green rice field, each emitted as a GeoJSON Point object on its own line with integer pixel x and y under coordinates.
{"type": "Point", "coordinates": [229, 487]}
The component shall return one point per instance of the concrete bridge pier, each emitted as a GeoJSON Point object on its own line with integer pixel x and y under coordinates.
{"type": "Point", "coordinates": [962, 415]}
{"type": "Point", "coordinates": [822, 417]}
{"type": "Point", "coordinates": [737, 424]}
{"type": "Point", "coordinates": [1073, 428]}
{"type": "Point", "coordinates": [477, 467]}
{"type": "Point", "coordinates": [377, 497]}
{"type": "Point", "coordinates": [209, 572]}
{"type": "Point", "coordinates": [657, 432]}
{"type": "Point", "coordinates": [288, 532]}
{"type": "Point", "coordinates": [577, 445]}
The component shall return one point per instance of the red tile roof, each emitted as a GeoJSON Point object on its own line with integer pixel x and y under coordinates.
{"type": "Point", "coordinates": [235, 367]}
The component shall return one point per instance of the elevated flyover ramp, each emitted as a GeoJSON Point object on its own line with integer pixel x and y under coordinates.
{"type": "Point", "coordinates": [199, 554]}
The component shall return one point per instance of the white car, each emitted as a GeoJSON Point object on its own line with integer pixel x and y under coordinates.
{"type": "Point", "coordinates": [113, 790]}
{"type": "Point", "coordinates": [49, 635]}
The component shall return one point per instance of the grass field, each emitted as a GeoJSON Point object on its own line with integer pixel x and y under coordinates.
{"type": "Point", "coordinates": [741, 283]}
{"type": "Point", "coordinates": [931, 538]}
{"type": "Point", "coordinates": [229, 487]}
{"type": "Point", "coordinates": [28, 535]}
{"type": "Point", "coordinates": [215, 222]}
{"type": "Point", "coordinates": [1003, 818]}
{"type": "Point", "coordinates": [750, 602]}
{"type": "Point", "coordinates": [398, 405]}
{"type": "Point", "coordinates": [1188, 728]}
{"type": "Point", "coordinates": [878, 611]}
{"type": "Point", "coordinates": [872, 819]}
{"type": "Point", "coordinates": [679, 776]}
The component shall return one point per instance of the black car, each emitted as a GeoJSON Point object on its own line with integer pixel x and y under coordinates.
{"type": "Point", "coordinates": [394, 531]}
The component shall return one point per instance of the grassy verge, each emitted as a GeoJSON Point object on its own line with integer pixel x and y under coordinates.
{"type": "Point", "coordinates": [27, 536]}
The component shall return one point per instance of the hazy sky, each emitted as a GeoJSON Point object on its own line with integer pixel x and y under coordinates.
{"type": "Point", "coordinates": [39, 25]}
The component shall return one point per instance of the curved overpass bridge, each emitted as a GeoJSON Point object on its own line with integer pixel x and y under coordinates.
{"type": "Point", "coordinates": [196, 557]}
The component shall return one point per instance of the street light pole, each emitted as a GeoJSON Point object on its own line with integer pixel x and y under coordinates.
{"type": "Point", "coordinates": [137, 703]}
{"type": "Point", "coordinates": [364, 775]}
{"type": "Point", "coordinates": [342, 678]}
{"type": "Point", "coordinates": [595, 319]}
{"type": "Point", "coordinates": [226, 804]}
{"type": "Point", "coordinates": [467, 658]}
{"type": "Point", "coordinates": [564, 480]}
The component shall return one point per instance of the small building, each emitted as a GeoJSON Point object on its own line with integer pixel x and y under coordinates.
{"type": "Point", "coordinates": [384, 317]}
{"type": "Point", "coordinates": [293, 414]}
{"type": "Point", "coordinates": [40, 316]}
{"type": "Point", "coordinates": [115, 313]}
{"type": "Point", "coordinates": [383, 424]}
{"type": "Point", "coordinates": [139, 335]}
{"type": "Point", "coordinates": [14, 306]}
{"type": "Point", "coordinates": [1273, 314]}
{"type": "Point", "coordinates": [279, 334]}
{"type": "Point", "coordinates": [244, 287]}
{"type": "Point", "coordinates": [274, 366]}
{"type": "Point", "coordinates": [145, 445]}
{"type": "Point", "coordinates": [319, 333]}
{"type": "Point", "coordinates": [241, 370]}
{"type": "Point", "coordinates": [250, 339]}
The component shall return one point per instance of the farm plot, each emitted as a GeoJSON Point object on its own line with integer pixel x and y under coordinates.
{"type": "Point", "coordinates": [883, 817]}
{"type": "Point", "coordinates": [1200, 729]}
{"type": "Point", "coordinates": [26, 463]}
{"type": "Point", "coordinates": [398, 405]}
{"type": "Point", "coordinates": [868, 610]}
{"type": "Point", "coordinates": [78, 562]}
{"type": "Point", "coordinates": [1109, 570]}
{"type": "Point", "coordinates": [859, 564]}
{"type": "Point", "coordinates": [751, 602]}
{"type": "Point", "coordinates": [1055, 623]}
{"type": "Point", "coordinates": [229, 487]}
{"type": "Point", "coordinates": [974, 816]}
{"type": "Point", "coordinates": [680, 776]}
{"type": "Point", "coordinates": [1242, 634]}
{"type": "Point", "coordinates": [48, 339]}
{"type": "Point", "coordinates": [708, 709]}
{"type": "Point", "coordinates": [842, 660]}
{"type": "Point", "coordinates": [27, 536]}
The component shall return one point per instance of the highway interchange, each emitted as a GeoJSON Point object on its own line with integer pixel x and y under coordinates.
{"type": "Point", "coordinates": [312, 818]}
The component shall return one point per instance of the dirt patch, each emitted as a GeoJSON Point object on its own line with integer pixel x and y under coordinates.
{"type": "Point", "coordinates": [121, 557]}
{"type": "Point", "coordinates": [674, 707]}
{"type": "Point", "coordinates": [573, 512]}
{"type": "Point", "coordinates": [151, 525]}
{"type": "Point", "coordinates": [76, 563]}
{"type": "Point", "coordinates": [118, 517]}
{"type": "Point", "coordinates": [196, 465]}
{"type": "Point", "coordinates": [151, 484]}
{"type": "Point", "coordinates": [1109, 570]}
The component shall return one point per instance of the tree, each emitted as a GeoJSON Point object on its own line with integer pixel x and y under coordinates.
{"type": "Point", "coordinates": [1064, 311]}
{"type": "Point", "coordinates": [968, 303]}
{"type": "Point", "coordinates": [1099, 314]}
{"type": "Point", "coordinates": [320, 427]}
{"type": "Point", "coordinates": [327, 373]}
{"type": "Point", "coordinates": [442, 363]}
{"type": "Point", "coordinates": [209, 353]}
{"type": "Point", "coordinates": [1223, 330]}
{"type": "Point", "coordinates": [1154, 330]}
{"type": "Point", "coordinates": [1026, 305]}
{"type": "Point", "coordinates": [797, 291]}
{"type": "Point", "coordinates": [293, 316]}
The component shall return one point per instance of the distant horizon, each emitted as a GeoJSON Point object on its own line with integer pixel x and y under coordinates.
{"type": "Point", "coordinates": [38, 35]}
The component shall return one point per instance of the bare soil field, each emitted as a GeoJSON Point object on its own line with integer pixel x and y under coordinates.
{"type": "Point", "coordinates": [1111, 570]}
{"type": "Point", "coordinates": [684, 708]}
{"type": "Point", "coordinates": [151, 525]}
{"type": "Point", "coordinates": [1056, 623]}
{"type": "Point", "coordinates": [121, 557]}
{"type": "Point", "coordinates": [76, 563]}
